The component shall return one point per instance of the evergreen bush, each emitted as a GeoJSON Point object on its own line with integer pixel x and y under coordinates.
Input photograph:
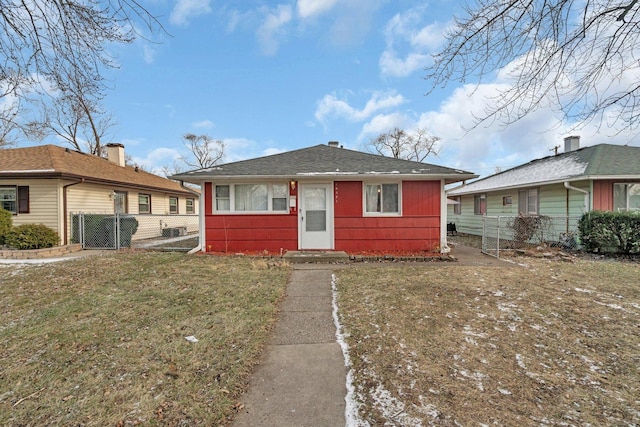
{"type": "Point", "coordinates": [610, 232]}
{"type": "Point", "coordinates": [32, 236]}
{"type": "Point", "coordinates": [6, 222]}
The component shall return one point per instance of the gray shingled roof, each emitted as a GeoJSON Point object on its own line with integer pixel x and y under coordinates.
{"type": "Point", "coordinates": [323, 160]}
{"type": "Point", "coordinates": [598, 161]}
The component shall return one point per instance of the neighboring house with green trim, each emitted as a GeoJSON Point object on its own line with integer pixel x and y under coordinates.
{"type": "Point", "coordinates": [602, 177]}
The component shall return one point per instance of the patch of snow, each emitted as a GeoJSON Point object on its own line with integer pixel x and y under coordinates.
{"type": "Point", "coordinates": [504, 391]}
{"type": "Point", "coordinates": [586, 291]}
{"type": "Point", "coordinates": [520, 361]}
{"type": "Point", "coordinates": [351, 407]}
{"type": "Point", "coordinates": [542, 170]}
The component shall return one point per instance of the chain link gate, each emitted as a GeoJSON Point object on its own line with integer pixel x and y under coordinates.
{"type": "Point", "coordinates": [500, 233]}
{"type": "Point", "coordinates": [103, 231]}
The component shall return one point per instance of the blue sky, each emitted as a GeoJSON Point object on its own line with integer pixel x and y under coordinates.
{"type": "Point", "coordinates": [272, 76]}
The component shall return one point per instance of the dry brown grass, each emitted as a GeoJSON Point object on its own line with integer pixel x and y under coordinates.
{"type": "Point", "coordinates": [101, 341]}
{"type": "Point", "coordinates": [549, 343]}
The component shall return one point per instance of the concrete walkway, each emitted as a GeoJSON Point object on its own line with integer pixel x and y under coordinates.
{"type": "Point", "coordinates": [302, 379]}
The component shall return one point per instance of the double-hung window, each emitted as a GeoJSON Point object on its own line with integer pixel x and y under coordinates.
{"type": "Point", "coordinates": [191, 206]}
{"type": "Point", "coordinates": [15, 199]}
{"type": "Point", "coordinates": [457, 206]}
{"type": "Point", "coordinates": [251, 198]}
{"type": "Point", "coordinates": [480, 204]}
{"type": "Point", "coordinates": [144, 203]}
{"type": "Point", "coordinates": [173, 205]}
{"type": "Point", "coordinates": [626, 197]}
{"type": "Point", "coordinates": [528, 201]}
{"type": "Point", "coordinates": [382, 199]}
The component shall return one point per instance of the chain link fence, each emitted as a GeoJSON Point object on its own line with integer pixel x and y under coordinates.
{"type": "Point", "coordinates": [117, 231]}
{"type": "Point", "coordinates": [508, 233]}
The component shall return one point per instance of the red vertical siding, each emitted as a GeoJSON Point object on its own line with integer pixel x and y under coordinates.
{"type": "Point", "coordinates": [603, 195]}
{"type": "Point", "coordinates": [207, 198]}
{"type": "Point", "coordinates": [234, 233]}
{"type": "Point", "coordinates": [418, 229]}
{"type": "Point", "coordinates": [421, 198]}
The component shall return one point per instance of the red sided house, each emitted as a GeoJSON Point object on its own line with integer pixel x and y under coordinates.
{"type": "Point", "coordinates": [323, 197]}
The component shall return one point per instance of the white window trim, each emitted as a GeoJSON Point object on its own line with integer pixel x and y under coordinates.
{"type": "Point", "coordinates": [232, 199]}
{"type": "Point", "coordinates": [381, 214]}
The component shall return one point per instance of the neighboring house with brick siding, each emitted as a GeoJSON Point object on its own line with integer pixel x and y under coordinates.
{"type": "Point", "coordinates": [46, 184]}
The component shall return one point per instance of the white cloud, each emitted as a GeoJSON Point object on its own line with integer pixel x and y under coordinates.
{"type": "Point", "coordinates": [405, 32]}
{"type": "Point", "coordinates": [156, 159]}
{"type": "Point", "coordinates": [392, 65]}
{"type": "Point", "coordinates": [273, 28]}
{"type": "Point", "coordinates": [311, 8]}
{"type": "Point", "coordinates": [187, 9]}
{"type": "Point", "coordinates": [331, 105]}
{"type": "Point", "coordinates": [384, 123]}
{"type": "Point", "coordinates": [149, 54]}
{"type": "Point", "coordinates": [203, 124]}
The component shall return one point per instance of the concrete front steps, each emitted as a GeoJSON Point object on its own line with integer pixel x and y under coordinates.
{"type": "Point", "coordinates": [326, 257]}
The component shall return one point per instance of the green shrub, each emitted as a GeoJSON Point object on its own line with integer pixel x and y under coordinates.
{"type": "Point", "coordinates": [610, 232]}
{"type": "Point", "coordinates": [6, 220]}
{"type": "Point", "coordinates": [32, 236]}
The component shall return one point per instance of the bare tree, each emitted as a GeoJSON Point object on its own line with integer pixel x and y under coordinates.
{"type": "Point", "coordinates": [401, 144]}
{"type": "Point", "coordinates": [76, 119]}
{"type": "Point", "coordinates": [580, 58]}
{"type": "Point", "coordinates": [206, 152]}
{"type": "Point", "coordinates": [49, 48]}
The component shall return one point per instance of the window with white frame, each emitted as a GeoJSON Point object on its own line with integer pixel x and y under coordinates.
{"type": "Point", "coordinates": [382, 198]}
{"type": "Point", "coordinates": [626, 197]}
{"type": "Point", "coordinates": [9, 199]}
{"type": "Point", "coordinates": [144, 203]}
{"type": "Point", "coordinates": [528, 201]}
{"type": "Point", "coordinates": [222, 198]}
{"type": "Point", "coordinates": [251, 198]}
{"type": "Point", "coordinates": [190, 205]}
{"type": "Point", "coordinates": [173, 205]}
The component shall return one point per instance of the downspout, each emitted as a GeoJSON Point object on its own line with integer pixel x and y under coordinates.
{"type": "Point", "coordinates": [444, 247]}
{"type": "Point", "coordinates": [202, 238]}
{"type": "Point", "coordinates": [200, 246]}
{"type": "Point", "coordinates": [64, 210]}
{"type": "Point", "coordinates": [586, 195]}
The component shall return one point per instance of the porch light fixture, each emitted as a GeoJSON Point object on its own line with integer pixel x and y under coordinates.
{"type": "Point", "coordinates": [292, 184]}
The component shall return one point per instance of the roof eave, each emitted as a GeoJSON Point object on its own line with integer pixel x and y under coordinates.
{"type": "Point", "coordinates": [61, 175]}
{"type": "Point", "coordinates": [460, 192]}
{"type": "Point", "coordinates": [355, 176]}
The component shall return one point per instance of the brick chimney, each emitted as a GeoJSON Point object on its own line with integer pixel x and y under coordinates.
{"type": "Point", "coordinates": [115, 153]}
{"type": "Point", "coordinates": [571, 143]}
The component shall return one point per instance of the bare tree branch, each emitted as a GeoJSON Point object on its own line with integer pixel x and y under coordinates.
{"type": "Point", "coordinates": [205, 151]}
{"type": "Point", "coordinates": [579, 58]}
{"type": "Point", "coordinates": [49, 48]}
{"type": "Point", "coordinates": [401, 144]}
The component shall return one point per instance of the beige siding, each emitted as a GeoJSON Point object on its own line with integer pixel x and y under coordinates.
{"type": "Point", "coordinates": [90, 198]}
{"type": "Point", "coordinates": [45, 202]}
{"type": "Point", "coordinates": [93, 198]}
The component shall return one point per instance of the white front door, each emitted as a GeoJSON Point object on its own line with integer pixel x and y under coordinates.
{"type": "Point", "coordinates": [315, 215]}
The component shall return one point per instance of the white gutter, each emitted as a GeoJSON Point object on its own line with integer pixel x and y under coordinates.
{"type": "Point", "coordinates": [585, 192]}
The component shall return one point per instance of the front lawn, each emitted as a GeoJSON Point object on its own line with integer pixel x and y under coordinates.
{"type": "Point", "coordinates": [544, 343]}
{"type": "Point", "coordinates": [110, 341]}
